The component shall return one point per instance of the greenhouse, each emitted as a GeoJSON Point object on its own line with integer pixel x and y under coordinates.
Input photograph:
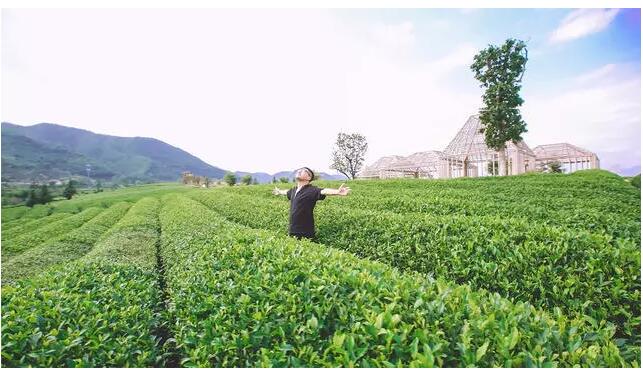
{"type": "Point", "coordinates": [570, 157]}
{"type": "Point", "coordinates": [467, 155]}
{"type": "Point", "coordinates": [389, 167]}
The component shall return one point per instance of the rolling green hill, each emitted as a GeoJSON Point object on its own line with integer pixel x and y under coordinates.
{"type": "Point", "coordinates": [25, 159]}
{"type": "Point", "coordinates": [49, 151]}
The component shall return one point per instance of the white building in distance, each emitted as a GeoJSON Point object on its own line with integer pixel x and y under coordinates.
{"type": "Point", "coordinates": [467, 155]}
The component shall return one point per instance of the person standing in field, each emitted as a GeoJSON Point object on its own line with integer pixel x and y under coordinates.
{"type": "Point", "coordinates": [303, 198]}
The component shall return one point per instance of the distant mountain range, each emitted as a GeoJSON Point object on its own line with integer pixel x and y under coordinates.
{"type": "Point", "coordinates": [44, 152]}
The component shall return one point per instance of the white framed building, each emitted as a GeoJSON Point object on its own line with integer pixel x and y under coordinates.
{"type": "Point", "coordinates": [570, 157]}
{"type": "Point", "coordinates": [467, 155]}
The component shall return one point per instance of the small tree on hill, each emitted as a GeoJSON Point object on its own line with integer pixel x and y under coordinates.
{"type": "Point", "coordinates": [348, 154]}
{"type": "Point", "coordinates": [255, 181]}
{"type": "Point", "coordinates": [246, 179]}
{"type": "Point", "coordinates": [636, 181]}
{"type": "Point", "coordinates": [32, 197]}
{"type": "Point", "coordinates": [44, 197]}
{"type": "Point", "coordinates": [99, 186]}
{"type": "Point", "coordinates": [499, 70]}
{"type": "Point", "coordinates": [284, 179]}
{"type": "Point", "coordinates": [274, 180]}
{"type": "Point", "coordinates": [70, 190]}
{"type": "Point", "coordinates": [230, 179]}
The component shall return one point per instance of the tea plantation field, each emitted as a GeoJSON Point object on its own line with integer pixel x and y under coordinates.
{"type": "Point", "coordinates": [531, 270]}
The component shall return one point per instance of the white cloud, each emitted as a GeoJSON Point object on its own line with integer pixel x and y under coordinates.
{"type": "Point", "coordinates": [458, 59]}
{"type": "Point", "coordinates": [582, 22]}
{"type": "Point", "coordinates": [597, 74]}
{"type": "Point", "coordinates": [395, 35]}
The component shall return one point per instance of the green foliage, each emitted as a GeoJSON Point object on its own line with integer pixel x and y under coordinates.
{"type": "Point", "coordinates": [284, 179]}
{"type": "Point", "coordinates": [28, 226]}
{"type": "Point", "coordinates": [81, 316]}
{"type": "Point", "coordinates": [21, 214]}
{"type": "Point", "coordinates": [230, 179]}
{"type": "Point", "coordinates": [636, 181]}
{"type": "Point", "coordinates": [524, 259]}
{"type": "Point", "coordinates": [12, 214]}
{"type": "Point", "coordinates": [499, 69]}
{"type": "Point", "coordinates": [554, 167]}
{"type": "Point", "coordinates": [15, 244]}
{"type": "Point", "coordinates": [100, 312]}
{"type": "Point", "coordinates": [58, 152]}
{"type": "Point", "coordinates": [131, 241]}
{"type": "Point", "coordinates": [83, 284]}
{"type": "Point", "coordinates": [70, 190]}
{"type": "Point", "coordinates": [246, 179]}
{"type": "Point", "coordinates": [245, 298]}
{"type": "Point", "coordinates": [14, 194]}
{"type": "Point", "coordinates": [32, 198]}
{"type": "Point", "coordinates": [24, 158]}
{"type": "Point", "coordinates": [37, 195]}
{"type": "Point", "coordinates": [64, 248]}
{"type": "Point", "coordinates": [44, 197]}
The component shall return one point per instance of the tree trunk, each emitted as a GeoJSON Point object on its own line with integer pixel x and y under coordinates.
{"type": "Point", "coordinates": [502, 162]}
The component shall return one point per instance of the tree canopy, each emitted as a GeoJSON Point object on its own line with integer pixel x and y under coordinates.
{"type": "Point", "coordinates": [348, 154]}
{"type": "Point", "coordinates": [500, 69]}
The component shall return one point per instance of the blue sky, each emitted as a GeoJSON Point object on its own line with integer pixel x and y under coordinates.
{"type": "Point", "coordinates": [268, 90]}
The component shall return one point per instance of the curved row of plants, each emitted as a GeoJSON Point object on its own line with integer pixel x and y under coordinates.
{"type": "Point", "coordinates": [19, 215]}
{"type": "Point", "coordinates": [64, 248]}
{"type": "Point", "coordinates": [100, 311]}
{"type": "Point", "coordinates": [18, 243]}
{"type": "Point", "coordinates": [29, 226]}
{"type": "Point", "coordinates": [580, 272]}
{"type": "Point", "coordinates": [576, 206]}
{"type": "Point", "coordinates": [245, 297]}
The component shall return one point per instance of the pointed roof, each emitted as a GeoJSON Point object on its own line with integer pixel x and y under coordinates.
{"type": "Point", "coordinates": [561, 150]}
{"type": "Point", "coordinates": [470, 142]}
{"type": "Point", "coordinates": [425, 157]}
{"type": "Point", "coordinates": [391, 162]}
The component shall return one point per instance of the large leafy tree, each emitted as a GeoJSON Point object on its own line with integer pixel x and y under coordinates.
{"type": "Point", "coordinates": [348, 154]}
{"type": "Point", "coordinates": [500, 70]}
